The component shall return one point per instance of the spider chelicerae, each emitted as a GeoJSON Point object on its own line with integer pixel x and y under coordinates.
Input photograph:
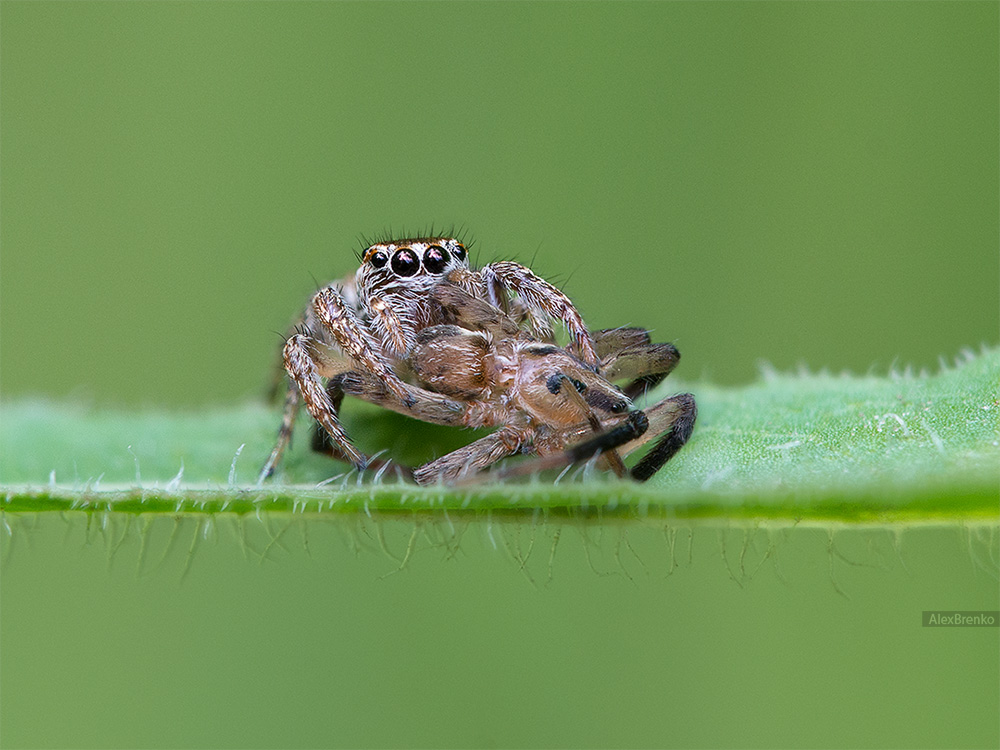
{"type": "Point", "coordinates": [418, 331]}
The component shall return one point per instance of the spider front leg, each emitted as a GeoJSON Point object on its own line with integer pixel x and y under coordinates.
{"type": "Point", "coordinates": [541, 299]}
{"type": "Point", "coordinates": [354, 338]}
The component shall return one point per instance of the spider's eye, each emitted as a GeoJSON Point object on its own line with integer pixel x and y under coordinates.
{"type": "Point", "coordinates": [436, 259]}
{"type": "Point", "coordinates": [379, 258]}
{"type": "Point", "coordinates": [405, 262]}
{"type": "Point", "coordinates": [459, 252]}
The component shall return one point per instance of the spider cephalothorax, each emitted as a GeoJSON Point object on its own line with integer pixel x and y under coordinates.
{"type": "Point", "coordinates": [420, 332]}
{"type": "Point", "coordinates": [393, 282]}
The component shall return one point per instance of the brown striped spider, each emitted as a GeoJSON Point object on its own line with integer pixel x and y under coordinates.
{"type": "Point", "coordinates": [419, 332]}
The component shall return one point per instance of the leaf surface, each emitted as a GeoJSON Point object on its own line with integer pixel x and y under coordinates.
{"type": "Point", "coordinates": [793, 447]}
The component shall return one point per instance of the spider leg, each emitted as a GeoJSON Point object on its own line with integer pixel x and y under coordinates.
{"type": "Point", "coordinates": [472, 458]}
{"type": "Point", "coordinates": [628, 354]}
{"type": "Point", "coordinates": [301, 364]}
{"type": "Point", "coordinates": [539, 296]}
{"type": "Point", "coordinates": [354, 338]}
{"type": "Point", "coordinates": [426, 406]}
{"type": "Point", "coordinates": [291, 409]}
{"type": "Point", "coordinates": [439, 409]}
{"type": "Point", "coordinates": [275, 382]}
{"type": "Point", "coordinates": [278, 372]}
{"type": "Point", "coordinates": [541, 327]}
{"type": "Point", "coordinates": [321, 442]}
{"type": "Point", "coordinates": [671, 420]}
{"type": "Point", "coordinates": [385, 321]}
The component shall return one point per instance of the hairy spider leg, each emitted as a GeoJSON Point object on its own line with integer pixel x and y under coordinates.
{"type": "Point", "coordinates": [301, 366]}
{"type": "Point", "coordinates": [426, 406]}
{"type": "Point", "coordinates": [289, 412]}
{"type": "Point", "coordinates": [472, 458]}
{"type": "Point", "coordinates": [386, 319]}
{"type": "Point", "coordinates": [540, 297]}
{"type": "Point", "coordinates": [321, 443]}
{"type": "Point", "coordinates": [354, 338]}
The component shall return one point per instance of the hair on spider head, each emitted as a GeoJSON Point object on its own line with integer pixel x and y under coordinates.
{"type": "Point", "coordinates": [389, 235]}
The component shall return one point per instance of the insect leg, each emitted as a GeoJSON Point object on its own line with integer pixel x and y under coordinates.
{"type": "Point", "coordinates": [672, 419]}
{"type": "Point", "coordinates": [634, 426]}
{"type": "Point", "coordinates": [321, 442]}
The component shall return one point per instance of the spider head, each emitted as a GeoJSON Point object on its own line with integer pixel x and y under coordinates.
{"type": "Point", "coordinates": [423, 259]}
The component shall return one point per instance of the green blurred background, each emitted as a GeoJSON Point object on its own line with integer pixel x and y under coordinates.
{"type": "Point", "coordinates": [796, 183]}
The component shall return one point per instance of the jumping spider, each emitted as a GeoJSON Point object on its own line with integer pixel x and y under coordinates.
{"type": "Point", "coordinates": [417, 331]}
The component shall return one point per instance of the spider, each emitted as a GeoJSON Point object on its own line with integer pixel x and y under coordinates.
{"type": "Point", "coordinates": [420, 332]}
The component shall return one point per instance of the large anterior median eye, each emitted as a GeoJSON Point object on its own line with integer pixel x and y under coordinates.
{"type": "Point", "coordinates": [405, 262]}
{"type": "Point", "coordinates": [436, 259]}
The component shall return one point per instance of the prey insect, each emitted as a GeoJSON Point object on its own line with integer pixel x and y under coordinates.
{"type": "Point", "coordinates": [420, 332]}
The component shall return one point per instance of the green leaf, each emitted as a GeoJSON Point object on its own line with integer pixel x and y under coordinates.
{"type": "Point", "coordinates": [807, 447]}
